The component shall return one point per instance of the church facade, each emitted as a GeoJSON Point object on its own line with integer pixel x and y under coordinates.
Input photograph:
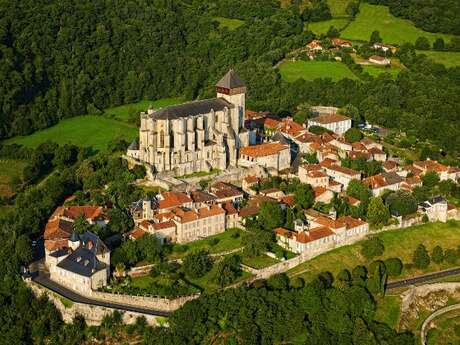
{"type": "Point", "coordinates": [195, 136]}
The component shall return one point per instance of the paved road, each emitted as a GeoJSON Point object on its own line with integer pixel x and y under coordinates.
{"type": "Point", "coordinates": [47, 283]}
{"type": "Point", "coordinates": [423, 278]}
{"type": "Point", "coordinates": [434, 316]}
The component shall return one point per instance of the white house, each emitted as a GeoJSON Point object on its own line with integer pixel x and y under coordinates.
{"type": "Point", "coordinates": [334, 122]}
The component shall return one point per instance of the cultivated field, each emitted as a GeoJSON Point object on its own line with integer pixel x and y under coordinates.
{"type": "Point", "coordinates": [448, 59]}
{"type": "Point", "coordinates": [309, 70]}
{"type": "Point", "coordinates": [392, 30]}
{"type": "Point", "coordinates": [398, 243]}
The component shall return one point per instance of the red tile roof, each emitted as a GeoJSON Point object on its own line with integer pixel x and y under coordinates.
{"type": "Point", "coordinates": [73, 212]}
{"type": "Point", "coordinates": [173, 199]}
{"type": "Point", "coordinates": [329, 118]}
{"type": "Point", "coordinates": [263, 150]}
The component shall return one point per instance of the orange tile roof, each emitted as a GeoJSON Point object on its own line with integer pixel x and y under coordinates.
{"type": "Point", "coordinates": [350, 222]}
{"type": "Point", "coordinates": [328, 162]}
{"type": "Point", "coordinates": [376, 151]}
{"type": "Point", "coordinates": [330, 223]}
{"type": "Point", "coordinates": [164, 225]}
{"type": "Point", "coordinates": [249, 210]}
{"type": "Point", "coordinates": [73, 212]}
{"type": "Point", "coordinates": [58, 229]}
{"type": "Point", "coordinates": [353, 201]}
{"type": "Point", "coordinates": [344, 170]}
{"type": "Point", "coordinates": [430, 165]}
{"type": "Point", "coordinates": [340, 42]}
{"type": "Point", "coordinates": [229, 209]}
{"type": "Point", "coordinates": [357, 146]}
{"type": "Point", "coordinates": [228, 193]}
{"type": "Point", "coordinates": [376, 181]}
{"type": "Point", "coordinates": [316, 174]}
{"type": "Point", "coordinates": [173, 199]}
{"type": "Point", "coordinates": [305, 236]}
{"type": "Point", "coordinates": [311, 167]}
{"type": "Point", "coordinates": [271, 123]}
{"type": "Point", "coordinates": [319, 191]}
{"type": "Point", "coordinates": [263, 150]}
{"type": "Point", "coordinates": [329, 118]}
{"type": "Point", "coordinates": [358, 154]}
{"type": "Point", "coordinates": [389, 165]}
{"type": "Point", "coordinates": [211, 211]}
{"type": "Point", "coordinates": [251, 179]}
{"type": "Point", "coordinates": [185, 216]}
{"type": "Point", "coordinates": [288, 200]}
{"type": "Point", "coordinates": [136, 233]}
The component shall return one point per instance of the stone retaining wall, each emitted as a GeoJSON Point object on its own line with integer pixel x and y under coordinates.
{"type": "Point", "coordinates": [93, 314]}
{"type": "Point", "coordinates": [156, 303]}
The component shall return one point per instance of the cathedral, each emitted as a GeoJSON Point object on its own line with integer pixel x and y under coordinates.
{"type": "Point", "coordinates": [195, 136]}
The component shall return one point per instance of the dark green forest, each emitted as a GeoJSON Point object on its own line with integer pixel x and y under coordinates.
{"type": "Point", "coordinates": [63, 58]}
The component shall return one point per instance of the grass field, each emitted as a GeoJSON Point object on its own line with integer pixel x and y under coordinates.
{"type": "Point", "coordinates": [443, 332]}
{"type": "Point", "coordinates": [338, 7]}
{"type": "Point", "coordinates": [398, 243]}
{"type": "Point", "coordinates": [9, 168]}
{"type": "Point", "coordinates": [375, 71]}
{"type": "Point", "coordinates": [309, 70]}
{"type": "Point", "coordinates": [87, 130]}
{"type": "Point", "coordinates": [392, 30]}
{"type": "Point", "coordinates": [226, 241]}
{"type": "Point", "coordinates": [124, 111]}
{"type": "Point", "coordinates": [322, 27]}
{"type": "Point", "coordinates": [388, 310]}
{"type": "Point", "coordinates": [259, 262]}
{"type": "Point", "coordinates": [448, 59]}
{"type": "Point", "coordinates": [229, 23]}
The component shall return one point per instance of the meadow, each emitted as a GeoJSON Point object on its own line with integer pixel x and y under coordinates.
{"type": "Point", "coordinates": [338, 7]}
{"type": "Point", "coordinates": [393, 30]}
{"type": "Point", "coordinates": [398, 243]}
{"type": "Point", "coordinates": [229, 23]}
{"type": "Point", "coordinates": [95, 131]}
{"type": "Point", "coordinates": [9, 168]}
{"type": "Point", "coordinates": [375, 71]}
{"type": "Point", "coordinates": [322, 27]}
{"type": "Point", "coordinates": [448, 59]}
{"type": "Point", "coordinates": [309, 70]}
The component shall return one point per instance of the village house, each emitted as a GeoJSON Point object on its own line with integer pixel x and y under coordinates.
{"type": "Point", "coordinates": [274, 156]}
{"type": "Point", "coordinates": [435, 209]}
{"type": "Point", "coordinates": [83, 265]}
{"type": "Point", "coordinates": [378, 154]}
{"type": "Point", "coordinates": [274, 193]}
{"type": "Point", "coordinates": [226, 192]}
{"type": "Point", "coordinates": [323, 195]}
{"type": "Point", "coordinates": [248, 183]}
{"type": "Point", "coordinates": [336, 123]}
{"type": "Point", "coordinates": [342, 175]}
{"type": "Point", "coordinates": [379, 60]}
{"type": "Point", "coordinates": [384, 181]}
{"type": "Point", "coordinates": [339, 42]}
{"type": "Point", "coordinates": [315, 45]}
{"type": "Point", "coordinates": [315, 178]}
{"type": "Point", "coordinates": [385, 47]}
{"type": "Point", "coordinates": [390, 166]}
{"type": "Point", "coordinates": [445, 172]}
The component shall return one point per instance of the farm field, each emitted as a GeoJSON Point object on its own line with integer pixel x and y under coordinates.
{"type": "Point", "coordinates": [123, 112]}
{"type": "Point", "coordinates": [309, 70]}
{"type": "Point", "coordinates": [322, 27]}
{"type": "Point", "coordinates": [398, 243]}
{"type": "Point", "coordinates": [9, 168]}
{"type": "Point", "coordinates": [448, 59]}
{"type": "Point", "coordinates": [375, 71]}
{"type": "Point", "coordinates": [392, 30]}
{"type": "Point", "coordinates": [87, 130]}
{"type": "Point", "coordinates": [229, 23]}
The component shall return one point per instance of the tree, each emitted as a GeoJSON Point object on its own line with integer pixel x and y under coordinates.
{"type": "Point", "coordinates": [270, 215]}
{"type": "Point", "coordinates": [375, 37]}
{"type": "Point", "coordinates": [422, 43]}
{"type": "Point", "coordinates": [430, 179]}
{"type": "Point", "coordinates": [359, 190]}
{"type": "Point", "coordinates": [304, 196]}
{"type": "Point", "coordinates": [311, 158]}
{"type": "Point", "coordinates": [439, 44]}
{"type": "Point", "coordinates": [376, 283]}
{"type": "Point", "coordinates": [278, 281]}
{"type": "Point", "coordinates": [197, 264]}
{"type": "Point", "coordinates": [332, 32]}
{"type": "Point", "coordinates": [402, 202]}
{"type": "Point", "coordinates": [228, 269]}
{"type": "Point", "coordinates": [451, 256]}
{"type": "Point", "coordinates": [353, 112]}
{"type": "Point", "coordinates": [420, 258]}
{"type": "Point", "coordinates": [303, 113]}
{"type": "Point", "coordinates": [394, 267]}
{"type": "Point", "coordinates": [437, 255]}
{"type": "Point", "coordinates": [353, 135]}
{"type": "Point", "coordinates": [372, 248]}
{"type": "Point", "coordinates": [378, 213]}
{"type": "Point", "coordinates": [352, 9]}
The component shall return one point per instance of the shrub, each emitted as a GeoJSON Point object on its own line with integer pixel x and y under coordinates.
{"type": "Point", "coordinates": [372, 248]}
{"type": "Point", "coordinates": [353, 135]}
{"type": "Point", "coordinates": [421, 259]}
{"type": "Point", "coordinates": [197, 264]}
{"type": "Point", "coordinates": [394, 266]}
{"type": "Point", "coordinates": [451, 256]}
{"type": "Point", "coordinates": [437, 255]}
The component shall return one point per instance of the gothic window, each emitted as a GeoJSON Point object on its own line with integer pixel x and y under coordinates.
{"type": "Point", "coordinates": [162, 138]}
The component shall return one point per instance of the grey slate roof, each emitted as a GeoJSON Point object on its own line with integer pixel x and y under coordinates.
{"type": "Point", "coordinates": [280, 138]}
{"type": "Point", "coordinates": [230, 81]}
{"type": "Point", "coordinates": [392, 177]}
{"type": "Point", "coordinates": [191, 108]}
{"type": "Point", "coordinates": [83, 260]}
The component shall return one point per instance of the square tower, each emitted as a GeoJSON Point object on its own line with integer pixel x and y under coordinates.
{"type": "Point", "coordinates": [233, 89]}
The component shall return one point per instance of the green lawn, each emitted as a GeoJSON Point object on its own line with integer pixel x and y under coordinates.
{"type": "Point", "coordinates": [123, 112]}
{"type": "Point", "coordinates": [388, 310]}
{"type": "Point", "coordinates": [259, 262]}
{"type": "Point", "coordinates": [87, 130]}
{"type": "Point", "coordinates": [398, 243]}
{"type": "Point", "coordinates": [448, 59]}
{"type": "Point", "coordinates": [322, 27]}
{"type": "Point", "coordinates": [207, 284]}
{"type": "Point", "coordinates": [309, 70]}
{"type": "Point", "coordinates": [229, 23]}
{"type": "Point", "coordinates": [9, 168]}
{"type": "Point", "coordinates": [226, 241]}
{"type": "Point", "coordinates": [375, 71]}
{"type": "Point", "coordinates": [392, 30]}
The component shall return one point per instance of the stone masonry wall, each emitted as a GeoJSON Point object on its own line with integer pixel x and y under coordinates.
{"type": "Point", "coordinates": [92, 314]}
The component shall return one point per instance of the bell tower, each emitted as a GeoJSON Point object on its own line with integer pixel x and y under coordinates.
{"type": "Point", "coordinates": [233, 89]}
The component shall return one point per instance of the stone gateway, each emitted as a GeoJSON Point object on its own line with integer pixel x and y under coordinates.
{"type": "Point", "coordinates": [195, 136]}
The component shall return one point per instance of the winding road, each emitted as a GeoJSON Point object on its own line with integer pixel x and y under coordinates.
{"type": "Point", "coordinates": [433, 316]}
{"type": "Point", "coordinates": [44, 281]}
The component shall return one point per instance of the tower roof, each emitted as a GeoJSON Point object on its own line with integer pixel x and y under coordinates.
{"type": "Point", "coordinates": [230, 81]}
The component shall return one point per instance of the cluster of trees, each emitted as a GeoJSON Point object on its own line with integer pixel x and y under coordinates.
{"type": "Point", "coordinates": [339, 309]}
{"type": "Point", "coordinates": [441, 16]}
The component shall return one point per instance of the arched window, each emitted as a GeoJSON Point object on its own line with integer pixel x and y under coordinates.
{"type": "Point", "coordinates": [162, 138]}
